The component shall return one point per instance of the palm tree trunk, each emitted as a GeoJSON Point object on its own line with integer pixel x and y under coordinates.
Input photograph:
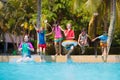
{"type": "Point", "coordinates": [91, 27]}
{"type": "Point", "coordinates": [38, 13]}
{"type": "Point", "coordinates": [38, 19]}
{"type": "Point", "coordinates": [92, 30]}
{"type": "Point", "coordinates": [105, 19]}
{"type": "Point", "coordinates": [112, 24]}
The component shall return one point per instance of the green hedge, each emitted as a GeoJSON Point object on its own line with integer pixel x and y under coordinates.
{"type": "Point", "coordinates": [77, 51]}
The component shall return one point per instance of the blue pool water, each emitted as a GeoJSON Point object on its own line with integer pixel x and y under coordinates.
{"type": "Point", "coordinates": [59, 71]}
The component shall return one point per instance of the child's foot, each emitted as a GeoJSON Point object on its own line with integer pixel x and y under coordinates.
{"type": "Point", "coordinates": [83, 51]}
{"type": "Point", "coordinates": [42, 60]}
{"type": "Point", "coordinates": [56, 54]}
{"type": "Point", "coordinates": [68, 56]}
{"type": "Point", "coordinates": [104, 58]}
{"type": "Point", "coordinates": [60, 54]}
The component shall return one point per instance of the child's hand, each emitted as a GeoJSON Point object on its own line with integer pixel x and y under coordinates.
{"type": "Point", "coordinates": [19, 49]}
{"type": "Point", "coordinates": [28, 48]}
{"type": "Point", "coordinates": [31, 49]}
{"type": "Point", "coordinates": [81, 42]}
{"type": "Point", "coordinates": [93, 40]}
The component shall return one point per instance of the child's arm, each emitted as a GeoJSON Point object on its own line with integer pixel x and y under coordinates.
{"type": "Point", "coordinates": [36, 28]}
{"type": "Point", "coordinates": [94, 39]}
{"type": "Point", "coordinates": [49, 33]}
{"type": "Point", "coordinates": [87, 37]}
{"type": "Point", "coordinates": [61, 29]}
{"type": "Point", "coordinates": [20, 47]}
{"type": "Point", "coordinates": [30, 47]}
{"type": "Point", "coordinates": [79, 40]}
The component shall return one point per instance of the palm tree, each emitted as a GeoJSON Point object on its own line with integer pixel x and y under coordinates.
{"type": "Point", "coordinates": [13, 14]}
{"type": "Point", "coordinates": [38, 17]}
{"type": "Point", "coordinates": [102, 7]}
{"type": "Point", "coordinates": [1, 4]}
{"type": "Point", "coordinates": [112, 24]}
{"type": "Point", "coordinates": [38, 13]}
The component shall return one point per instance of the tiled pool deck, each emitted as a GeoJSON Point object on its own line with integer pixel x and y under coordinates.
{"type": "Point", "coordinates": [74, 58]}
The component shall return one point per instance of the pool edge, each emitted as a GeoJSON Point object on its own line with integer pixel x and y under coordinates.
{"type": "Point", "coordinates": [74, 58]}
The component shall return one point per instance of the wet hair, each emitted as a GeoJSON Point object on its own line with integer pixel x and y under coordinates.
{"type": "Point", "coordinates": [83, 30]}
{"type": "Point", "coordinates": [69, 24]}
{"type": "Point", "coordinates": [105, 33]}
{"type": "Point", "coordinates": [26, 35]}
{"type": "Point", "coordinates": [54, 25]}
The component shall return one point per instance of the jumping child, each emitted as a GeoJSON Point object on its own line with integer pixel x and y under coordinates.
{"type": "Point", "coordinates": [25, 48]}
{"type": "Point", "coordinates": [83, 40]}
{"type": "Point", "coordinates": [56, 30]}
{"type": "Point", "coordinates": [69, 43]}
{"type": "Point", "coordinates": [41, 43]}
{"type": "Point", "coordinates": [103, 43]}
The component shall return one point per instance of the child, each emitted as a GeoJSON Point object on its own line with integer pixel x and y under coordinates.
{"type": "Point", "coordinates": [83, 40]}
{"type": "Point", "coordinates": [41, 43]}
{"type": "Point", "coordinates": [69, 33]}
{"type": "Point", "coordinates": [103, 43]}
{"type": "Point", "coordinates": [57, 38]}
{"type": "Point", "coordinates": [69, 43]}
{"type": "Point", "coordinates": [25, 49]}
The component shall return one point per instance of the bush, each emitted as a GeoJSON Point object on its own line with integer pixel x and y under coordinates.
{"type": "Point", "coordinates": [77, 51]}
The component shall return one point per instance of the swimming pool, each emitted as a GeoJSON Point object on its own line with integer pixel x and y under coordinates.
{"type": "Point", "coordinates": [59, 71]}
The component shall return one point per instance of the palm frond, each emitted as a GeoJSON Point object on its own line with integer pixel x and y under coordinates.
{"type": "Point", "coordinates": [1, 4]}
{"type": "Point", "coordinates": [92, 8]}
{"type": "Point", "coordinates": [117, 16]}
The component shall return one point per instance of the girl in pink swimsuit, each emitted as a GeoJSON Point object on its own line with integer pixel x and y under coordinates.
{"type": "Point", "coordinates": [57, 38]}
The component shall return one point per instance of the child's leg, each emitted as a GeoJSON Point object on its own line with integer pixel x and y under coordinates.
{"type": "Point", "coordinates": [83, 49]}
{"type": "Point", "coordinates": [28, 59]}
{"type": "Point", "coordinates": [40, 48]}
{"type": "Point", "coordinates": [43, 52]}
{"type": "Point", "coordinates": [102, 50]}
{"type": "Point", "coordinates": [104, 54]}
{"type": "Point", "coordinates": [105, 51]}
{"type": "Point", "coordinates": [56, 48]}
{"type": "Point", "coordinates": [20, 60]}
{"type": "Point", "coordinates": [60, 47]}
{"type": "Point", "coordinates": [70, 51]}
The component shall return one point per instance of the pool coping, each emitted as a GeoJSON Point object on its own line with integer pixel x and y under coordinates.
{"type": "Point", "coordinates": [74, 58]}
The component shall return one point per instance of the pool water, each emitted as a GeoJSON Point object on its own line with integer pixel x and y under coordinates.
{"type": "Point", "coordinates": [59, 71]}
